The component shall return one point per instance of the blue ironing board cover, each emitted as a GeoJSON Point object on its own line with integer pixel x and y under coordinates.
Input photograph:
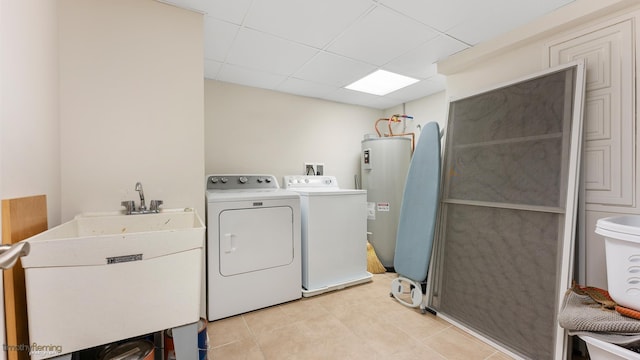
{"type": "Point", "coordinates": [416, 227]}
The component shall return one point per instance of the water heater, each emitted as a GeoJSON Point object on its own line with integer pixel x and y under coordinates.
{"type": "Point", "coordinates": [384, 163]}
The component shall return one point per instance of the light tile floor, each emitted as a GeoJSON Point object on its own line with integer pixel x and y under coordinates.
{"type": "Point", "coordinates": [359, 322]}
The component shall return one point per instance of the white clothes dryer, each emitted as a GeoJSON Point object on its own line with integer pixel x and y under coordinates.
{"type": "Point", "coordinates": [253, 244]}
{"type": "Point", "coordinates": [334, 233]}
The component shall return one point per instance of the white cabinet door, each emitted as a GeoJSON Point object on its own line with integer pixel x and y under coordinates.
{"type": "Point", "coordinates": [609, 110]}
{"type": "Point", "coordinates": [609, 139]}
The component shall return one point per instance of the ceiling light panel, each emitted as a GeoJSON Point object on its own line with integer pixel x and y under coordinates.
{"type": "Point", "coordinates": [360, 98]}
{"type": "Point", "coordinates": [331, 69]}
{"type": "Point", "coordinates": [265, 52]}
{"type": "Point", "coordinates": [381, 83]}
{"type": "Point", "coordinates": [315, 23]}
{"type": "Point", "coordinates": [381, 36]}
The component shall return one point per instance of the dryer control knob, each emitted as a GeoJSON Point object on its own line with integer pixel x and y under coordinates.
{"type": "Point", "coordinates": [243, 179]}
{"type": "Point", "coordinates": [214, 180]}
{"type": "Point", "coordinates": [259, 180]}
{"type": "Point", "coordinates": [224, 180]}
{"type": "Point", "coordinates": [267, 180]}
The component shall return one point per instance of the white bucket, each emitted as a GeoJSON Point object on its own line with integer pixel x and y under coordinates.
{"type": "Point", "coordinates": [622, 248]}
{"type": "Point", "coordinates": [600, 350]}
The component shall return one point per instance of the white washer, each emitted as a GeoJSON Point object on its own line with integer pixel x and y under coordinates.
{"type": "Point", "coordinates": [253, 244]}
{"type": "Point", "coordinates": [334, 234]}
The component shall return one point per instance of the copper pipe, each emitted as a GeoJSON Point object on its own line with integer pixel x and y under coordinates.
{"type": "Point", "coordinates": [413, 135]}
{"type": "Point", "coordinates": [395, 118]}
{"type": "Point", "coordinates": [391, 119]}
{"type": "Point", "coordinates": [376, 125]}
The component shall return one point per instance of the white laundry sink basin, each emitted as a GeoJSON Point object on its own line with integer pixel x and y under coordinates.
{"type": "Point", "coordinates": [105, 277]}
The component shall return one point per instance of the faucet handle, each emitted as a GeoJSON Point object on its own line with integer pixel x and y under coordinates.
{"type": "Point", "coordinates": [130, 205]}
{"type": "Point", "coordinates": [155, 205]}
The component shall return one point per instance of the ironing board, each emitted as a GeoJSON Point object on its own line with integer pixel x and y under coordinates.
{"type": "Point", "coordinates": [417, 222]}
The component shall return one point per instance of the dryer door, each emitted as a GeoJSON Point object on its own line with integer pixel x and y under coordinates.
{"type": "Point", "coordinates": [255, 239]}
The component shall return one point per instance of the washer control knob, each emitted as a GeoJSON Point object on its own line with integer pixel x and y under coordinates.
{"type": "Point", "coordinates": [260, 180]}
{"type": "Point", "coordinates": [214, 180]}
{"type": "Point", "coordinates": [243, 179]}
{"type": "Point", "coordinates": [267, 180]}
{"type": "Point", "coordinates": [306, 181]}
{"type": "Point", "coordinates": [224, 180]}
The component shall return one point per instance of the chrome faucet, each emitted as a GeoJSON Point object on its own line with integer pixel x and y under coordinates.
{"type": "Point", "coordinates": [130, 205]}
{"type": "Point", "coordinates": [143, 206]}
{"type": "Point", "coordinates": [9, 254]}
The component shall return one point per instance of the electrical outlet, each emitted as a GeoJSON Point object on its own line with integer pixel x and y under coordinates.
{"type": "Point", "coordinates": [319, 169]}
{"type": "Point", "coordinates": [309, 169]}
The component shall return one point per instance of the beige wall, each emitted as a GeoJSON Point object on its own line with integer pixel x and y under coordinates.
{"type": "Point", "coordinates": [131, 104]}
{"type": "Point", "coordinates": [250, 130]}
{"type": "Point", "coordinates": [29, 122]}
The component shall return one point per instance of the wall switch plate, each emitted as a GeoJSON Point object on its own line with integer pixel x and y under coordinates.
{"type": "Point", "coordinates": [309, 169]}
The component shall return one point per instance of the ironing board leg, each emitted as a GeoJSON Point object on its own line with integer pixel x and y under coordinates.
{"type": "Point", "coordinates": [398, 288]}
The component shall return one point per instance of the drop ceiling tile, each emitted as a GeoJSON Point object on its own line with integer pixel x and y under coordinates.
{"type": "Point", "coordinates": [415, 69]}
{"type": "Point", "coordinates": [211, 68]}
{"type": "Point", "coordinates": [249, 77]}
{"type": "Point", "coordinates": [549, 5]}
{"type": "Point", "coordinates": [419, 62]}
{"type": "Point", "coordinates": [260, 51]}
{"type": "Point", "coordinates": [380, 36]}
{"type": "Point", "coordinates": [314, 23]}
{"type": "Point", "coordinates": [472, 34]}
{"type": "Point", "coordinates": [218, 38]}
{"type": "Point", "coordinates": [231, 11]}
{"type": "Point", "coordinates": [503, 16]}
{"type": "Point", "coordinates": [420, 89]}
{"type": "Point", "coordinates": [260, 43]}
{"type": "Point", "coordinates": [331, 69]}
{"type": "Point", "coordinates": [439, 14]}
{"type": "Point", "coordinates": [305, 88]}
{"type": "Point", "coordinates": [360, 98]}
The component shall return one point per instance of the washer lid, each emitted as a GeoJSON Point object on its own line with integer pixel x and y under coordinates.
{"type": "Point", "coordinates": [329, 192]}
{"type": "Point", "coordinates": [293, 182]}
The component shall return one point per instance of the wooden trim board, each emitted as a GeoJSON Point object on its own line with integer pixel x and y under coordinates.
{"type": "Point", "coordinates": [21, 219]}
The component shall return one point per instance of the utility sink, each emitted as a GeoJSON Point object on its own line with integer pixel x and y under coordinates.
{"type": "Point", "coordinates": [105, 277]}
